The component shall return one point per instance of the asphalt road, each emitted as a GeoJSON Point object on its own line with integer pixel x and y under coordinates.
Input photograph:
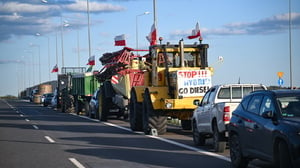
{"type": "Point", "coordinates": [35, 136]}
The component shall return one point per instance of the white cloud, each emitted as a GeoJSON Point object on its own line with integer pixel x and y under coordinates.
{"type": "Point", "coordinates": [94, 7]}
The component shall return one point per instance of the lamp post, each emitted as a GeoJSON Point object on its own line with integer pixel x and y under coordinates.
{"type": "Point", "coordinates": [39, 53]}
{"type": "Point", "coordinates": [136, 28]}
{"type": "Point", "coordinates": [32, 62]}
{"type": "Point", "coordinates": [89, 33]}
{"type": "Point", "coordinates": [38, 34]}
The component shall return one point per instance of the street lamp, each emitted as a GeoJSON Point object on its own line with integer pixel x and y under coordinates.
{"type": "Point", "coordinates": [136, 28]}
{"type": "Point", "coordinates": [38, 34]}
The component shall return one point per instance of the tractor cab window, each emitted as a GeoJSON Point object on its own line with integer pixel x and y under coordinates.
{"type": "Point", "coordinates": [191, 59]}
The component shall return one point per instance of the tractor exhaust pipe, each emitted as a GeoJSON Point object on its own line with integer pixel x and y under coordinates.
{"type": "Point", "coordinates": [181, 47]}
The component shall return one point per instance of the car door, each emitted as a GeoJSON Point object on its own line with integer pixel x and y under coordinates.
{"type": "Point", "coordinates": [200, 112]}
{"type": "Point", "coordinates": [248, 133]}
{"type": "Point", "coordinates": [262, 131]}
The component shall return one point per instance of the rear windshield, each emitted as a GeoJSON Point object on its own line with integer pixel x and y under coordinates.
{"type": "Point", "coordinates": [238, 92]}
{"type": "Point", "coordinates": [290, 106]}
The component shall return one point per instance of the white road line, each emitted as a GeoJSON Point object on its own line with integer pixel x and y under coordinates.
{"type": "Point", "coordinates": [21, 115]}
{"type": "Point", "coordinates": [76, 163]}
{"type": "Point", "coordinates": [27, 120]}
{"type": "Point", "coordinates": [174, 143]}
{"type": "Point", "coordinates": [35, 127]}
{"type": "Point", "coordinates": [168, 141]}
{"type": "Point", "coordinates": [49, 139]}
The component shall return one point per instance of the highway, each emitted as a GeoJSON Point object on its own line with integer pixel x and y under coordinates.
{"type": "Point", "coordinates": [35, 136]}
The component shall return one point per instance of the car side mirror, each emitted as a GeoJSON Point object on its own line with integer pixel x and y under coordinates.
{"type": "Point", "coordinates": [197, 102]}
{"type": "Point", "coordinates": [268, 114]}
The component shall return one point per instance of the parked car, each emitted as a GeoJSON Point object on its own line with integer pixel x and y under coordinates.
{"type": "Point", "coordinates": [94, 105]}
{"type": "Point", "coordinates": [211, 117]}
{"type": "Point", "coordinates": [266, 126]}
{"type": "Point", "coordinates": [47, 99]}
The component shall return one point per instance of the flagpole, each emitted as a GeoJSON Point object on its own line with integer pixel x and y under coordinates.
{"type": "Point", "coordinates": [154, 19]}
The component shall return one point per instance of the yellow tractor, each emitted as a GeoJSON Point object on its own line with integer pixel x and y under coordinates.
{"type": "Point", "coordinates": [175, 75]}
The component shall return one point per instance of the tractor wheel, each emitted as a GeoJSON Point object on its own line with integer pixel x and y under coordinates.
{"type": "Point", "coordinates": [103, 108]}
{"type": "Point", "coordinates": [135, 115]}
{"type": "Point", "coordinates": [152, 120]}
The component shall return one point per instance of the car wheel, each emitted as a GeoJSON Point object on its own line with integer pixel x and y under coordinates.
{"type": "Point", "coordinates": [236, 154]}
{"type": "Point", "coordinates": [219, 146]}
{"type": "Point", "coordinates": [283, 155]}
{"type": "Point", "coordinates": [198, 139]}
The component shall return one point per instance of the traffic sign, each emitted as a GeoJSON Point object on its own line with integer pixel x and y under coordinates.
{"type": "Point", "coordinates": [280, 74]}
{"type": "Point", "coordinates": [280, 82]}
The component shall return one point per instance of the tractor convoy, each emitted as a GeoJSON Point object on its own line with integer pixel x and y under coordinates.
{"type": "Point", "coordinates": [147, 90]}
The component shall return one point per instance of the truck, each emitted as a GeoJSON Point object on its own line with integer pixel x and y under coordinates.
{"type": "Point", "coordinates": [75, 89]}
{"type": "Point", "coordinates": [213, 113]}
{"type": "Point", "coordinates": [176, 75]}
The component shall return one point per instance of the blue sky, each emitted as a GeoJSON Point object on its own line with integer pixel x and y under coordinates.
{"type": "Point", "coordinates": [251, 35]}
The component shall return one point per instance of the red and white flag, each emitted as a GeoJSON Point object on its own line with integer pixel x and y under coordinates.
{"type": "Point", "coordinates": [55, 69]}
{"type": "Point", "coordinates": [195, 32]}
{"type": "Point", "coordinates": [120, 40]}
{"type": "Point", "coordinates": [152, 35]}
{"type": "Point", "coordinates": [115, 79]}
{"type": "Point", "coordinates": [91, 60]}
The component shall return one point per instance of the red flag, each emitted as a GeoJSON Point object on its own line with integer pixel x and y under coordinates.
{"type": "Point", "coordinates": [91, 60]}
{"type": "Point", "coordinates": [195, 32]}
{"type": "Point", "coordinates": [152, 35]}
{"type": "Point", "coordinates": [120, 40]}
{"type": "Point", "coordinates": [55, 69]}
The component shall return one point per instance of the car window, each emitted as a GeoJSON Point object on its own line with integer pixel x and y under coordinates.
{"type": "Point", "coordinates": [245, 102]}
{"type": "Point", "coordinates": [254, 104]}
{"type": "Point", "coordinates": [212, 92]}
{"type": "Point", "coordinates": [290, 106]}
{"type": "Point", "coordinates": [266, 105]}
{"type": "Point", "coordinates": [205, 98]}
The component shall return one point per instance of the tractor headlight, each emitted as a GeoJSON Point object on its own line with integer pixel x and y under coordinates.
{"type": "Point", "coordinates": [168, 105]}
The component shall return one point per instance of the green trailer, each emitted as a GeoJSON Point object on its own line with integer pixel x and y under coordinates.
{"type": "Point", "coordinates": [83, 87]}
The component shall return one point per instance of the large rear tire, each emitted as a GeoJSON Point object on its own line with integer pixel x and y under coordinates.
{"type": "Point", "coordinates": [151, 119]}
{"type": "Point", "coordinates": [135, 110]}
{"type": "Point", "coordinates": [103, 107]}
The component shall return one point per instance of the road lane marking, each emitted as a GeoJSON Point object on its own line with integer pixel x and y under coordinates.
{"type": "Point", "coordinates": [167, 141]}
{"type": "Point", "coordinates": [49, 139]}
{"type": "Point", "coordinates": [21, 115]}
{"type": "Point", "coordinates": [35, 127]}
{"type": "Point", "coordinates": [27, 120]}
{"type": "Point", "coordinates": [174, 143]}
{"type": "Point", "coordinates": [76, 163]}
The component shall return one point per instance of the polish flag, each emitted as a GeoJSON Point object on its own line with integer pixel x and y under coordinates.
{"type": "Point", "coordinates": [195, 32]}
{"type": "Point", "coordinates": [55, 69]}
{"type": "Point", "coordinates": [152, 35]}
{"type": "Point", "coordinates": [91, 60]}
{"type": "Point", "coordinates": [120, 40]}
{"type": "Point", "coordinates": [115, 79]}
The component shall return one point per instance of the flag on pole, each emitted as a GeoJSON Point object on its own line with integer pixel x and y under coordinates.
{"type": "Point", "coordinates": [195, 32]}
{"type": "Point", "coordinates": [91, 60]}
{"type": "Point", "coordinates": [120, 40]}
{"type": "Point", "coordinates": [152, 35]}
{"type": "Point", "coordinates": [55, 69]}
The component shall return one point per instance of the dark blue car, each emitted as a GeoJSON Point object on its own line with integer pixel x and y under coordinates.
{"type": "Point", "coordinates": [266, 126]}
